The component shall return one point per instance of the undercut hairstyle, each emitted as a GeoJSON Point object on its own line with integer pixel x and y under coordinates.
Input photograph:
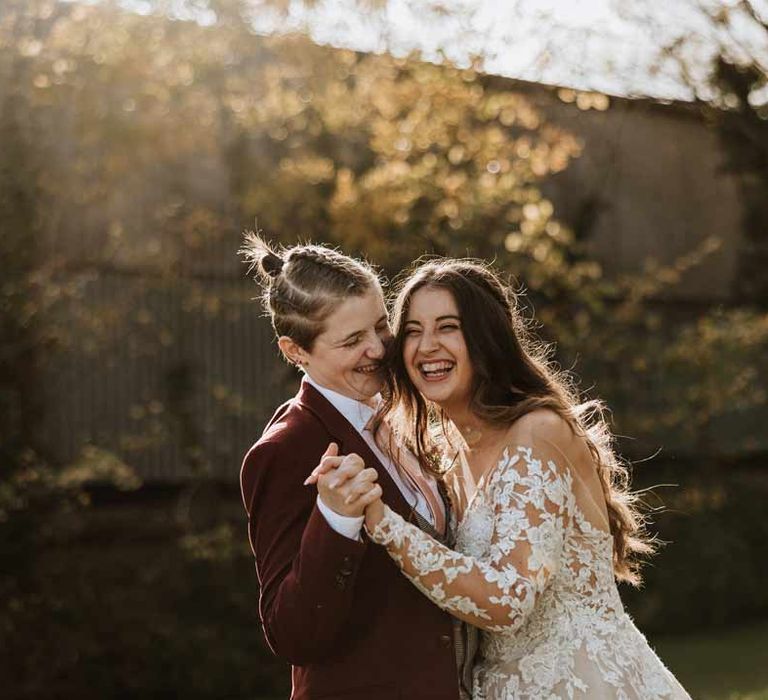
{"type": "Point", "coordinates": [513, 374]}
{"type": "Point", "coordinates": [303, 285]}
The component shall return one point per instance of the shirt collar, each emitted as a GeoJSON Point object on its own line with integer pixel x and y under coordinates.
{"type": "Point", "coordinates": [356, 412]}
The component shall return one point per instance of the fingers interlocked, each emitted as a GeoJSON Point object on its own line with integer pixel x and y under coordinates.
{"type": "Point", "coordinates": [344, 483]}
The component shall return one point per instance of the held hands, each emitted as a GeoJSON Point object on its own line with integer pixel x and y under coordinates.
{"type": "Point", "coordinates": [344, 484]}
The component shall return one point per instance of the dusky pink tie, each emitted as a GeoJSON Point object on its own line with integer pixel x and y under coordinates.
{"type": "Point", "coordinates": [411, 469]}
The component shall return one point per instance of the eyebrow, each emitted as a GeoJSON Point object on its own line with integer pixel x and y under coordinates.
{"type": "Point", "coordinates": [346, 338]}
{"type": "Point", "coordinates": [438, 319]}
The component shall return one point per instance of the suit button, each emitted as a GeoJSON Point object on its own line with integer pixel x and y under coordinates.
{"type": "Point", "coordinates": [446, 641]}
{"type": "Point", "coordinates": [347, 568]}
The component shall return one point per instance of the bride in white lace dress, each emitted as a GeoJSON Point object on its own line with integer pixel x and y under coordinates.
{"type": "Point", "coordinates": [544, 524]}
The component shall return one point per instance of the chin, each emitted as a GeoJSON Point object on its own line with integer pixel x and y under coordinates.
{"type": "Point", "coordinates": [438, 396]}
{"type": "Point", "coordinates": [369, 387]}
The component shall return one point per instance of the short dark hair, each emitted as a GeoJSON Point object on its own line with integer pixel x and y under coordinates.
{"type": "Point", "coordinates": [303, 284]}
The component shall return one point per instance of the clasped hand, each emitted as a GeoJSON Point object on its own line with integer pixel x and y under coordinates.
{"type": "Point", "coordinates": [346, 486]}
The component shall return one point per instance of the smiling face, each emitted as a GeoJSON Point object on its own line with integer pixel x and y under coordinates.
{"type": "Point", "coordinates": [346, 357]}
{"type": "Point", "coordinates": [435, 352]}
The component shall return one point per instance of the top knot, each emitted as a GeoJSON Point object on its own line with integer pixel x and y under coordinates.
{"type": "Point", "coordinates": [260, 256]}
{"type": "Point", "coordinates": [271, 264]}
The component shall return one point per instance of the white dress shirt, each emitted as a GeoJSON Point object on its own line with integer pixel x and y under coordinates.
{"type": "Point", "coordinates": [358, 414]}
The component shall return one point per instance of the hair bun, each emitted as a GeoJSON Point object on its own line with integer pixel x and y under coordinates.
{"type": "Point", "coordinates": [272, 264]}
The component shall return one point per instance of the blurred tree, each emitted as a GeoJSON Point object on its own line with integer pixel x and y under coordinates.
{"type": "Point", "coordinates": [466, 141]}
{"type": "Point", "coordinates": [160, 137]}
{"type": "Point", "coordinates": [718, 360]}
{"type": "Point", "coordinates": [740, 81]}
{"type": "Point", "coordinates": [134, 148]}
{"type": "Point", "coordinates": [725, 66]}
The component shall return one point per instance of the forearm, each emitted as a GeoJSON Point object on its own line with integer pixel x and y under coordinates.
{"type": "Point", "coordinates": [478, 592]}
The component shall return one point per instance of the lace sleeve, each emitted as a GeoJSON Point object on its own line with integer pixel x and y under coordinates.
{"type": "Point", "coordinates": [533, 504]}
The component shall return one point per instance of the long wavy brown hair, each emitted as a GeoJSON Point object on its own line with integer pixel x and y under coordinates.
{"type": "Point", "coordinates": [513, 374]}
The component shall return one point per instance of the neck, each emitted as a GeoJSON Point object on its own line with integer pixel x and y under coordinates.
{"type": "Point", "coordinates": [475, 432]}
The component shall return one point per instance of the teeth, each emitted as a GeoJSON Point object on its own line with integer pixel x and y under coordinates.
{"type": "Point", "coordinates": [370, 369]}
{"type": "Point", "coordinates": [439, 366]}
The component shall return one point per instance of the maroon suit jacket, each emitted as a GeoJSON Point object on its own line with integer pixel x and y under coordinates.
{"type": "Point", "coordinates": [338, 610]}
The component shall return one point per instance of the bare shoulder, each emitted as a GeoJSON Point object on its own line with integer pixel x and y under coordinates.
{"type": "Point", "coordinates": [546, 431]}
{"type": "Point", "coordinates": [541, 424]}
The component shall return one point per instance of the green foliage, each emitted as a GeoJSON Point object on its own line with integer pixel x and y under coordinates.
{"type": "Point", "coordinates": [715, 368]}
{"type": "Point", "coordinates": [170, 135]}
{"type": "Point", "coordinates": [117, 608]}
{"type": "Point", "coordinates": [41, 507]}
{"type": "Point", "coordinates": [121, 609]}
{"type": "Point", "coordinates": [727, 665]}
{"type": "Point", "coordinates": [711, 572]}
{"type": "Point", "coordinates": [99, 466]}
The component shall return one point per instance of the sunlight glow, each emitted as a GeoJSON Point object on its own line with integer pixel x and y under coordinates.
{"type": "Point", "coordinates": [611, 46]}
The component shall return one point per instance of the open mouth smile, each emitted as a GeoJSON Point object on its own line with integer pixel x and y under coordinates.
{"type": "Point", "coordinates": [368, 369]}
{"type": "Point", "coordinates": [436, 371]}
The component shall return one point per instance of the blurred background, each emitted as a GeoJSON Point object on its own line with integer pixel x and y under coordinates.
{"type": "Point", "coordinates": [612, 155]}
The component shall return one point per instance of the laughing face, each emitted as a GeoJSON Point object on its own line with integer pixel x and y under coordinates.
{"type": "Point", "coordinates": [434, 350]}
{"type": "Point", "coordinates": [346, 357]}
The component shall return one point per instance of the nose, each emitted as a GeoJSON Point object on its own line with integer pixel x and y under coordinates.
{"type": "Point", "coordinates": [375, 349]}
{"type": "Point", "coordinates": [427, 342]}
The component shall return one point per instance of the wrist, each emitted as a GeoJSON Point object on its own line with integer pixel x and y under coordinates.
{"type": "Point", "coordinates": [374, 514]}
{"type": "Point", "coordinates": [338, 506]}
{"type": "Point", "coordinates": [342, 524]}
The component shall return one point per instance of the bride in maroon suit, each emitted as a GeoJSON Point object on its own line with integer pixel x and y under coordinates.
{"type": "Point", "coordinates": [332, 604]}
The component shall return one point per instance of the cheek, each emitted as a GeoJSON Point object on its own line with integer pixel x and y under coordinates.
{"type": "Point", "coordinates": [467, 376]}
{"type": "Point", "coordinates": [353, 359]}
{"type": "Point", "coordinates": [461, 353]}
{"type": "Point", "coordinates": [338, 362]}
{"type": "Point", "coordinates": [409, 352]}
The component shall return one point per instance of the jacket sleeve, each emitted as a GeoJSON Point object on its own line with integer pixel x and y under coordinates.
{"type": "Point", "coordinates": [306, 570]}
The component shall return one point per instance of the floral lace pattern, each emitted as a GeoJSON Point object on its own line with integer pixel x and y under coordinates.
{"type": "Point", "coordinates": [537, 577]}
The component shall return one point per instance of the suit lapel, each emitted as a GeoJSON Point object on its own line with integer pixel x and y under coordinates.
{"type": "Point", "coordinates": [349, 440]}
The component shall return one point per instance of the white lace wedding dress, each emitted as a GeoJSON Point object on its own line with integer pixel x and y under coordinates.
{"type": "Point", "coordinates": [537, 577]}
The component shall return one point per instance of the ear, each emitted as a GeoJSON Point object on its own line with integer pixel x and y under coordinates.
{"type": "Point", "coordinates": [292, 351]}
